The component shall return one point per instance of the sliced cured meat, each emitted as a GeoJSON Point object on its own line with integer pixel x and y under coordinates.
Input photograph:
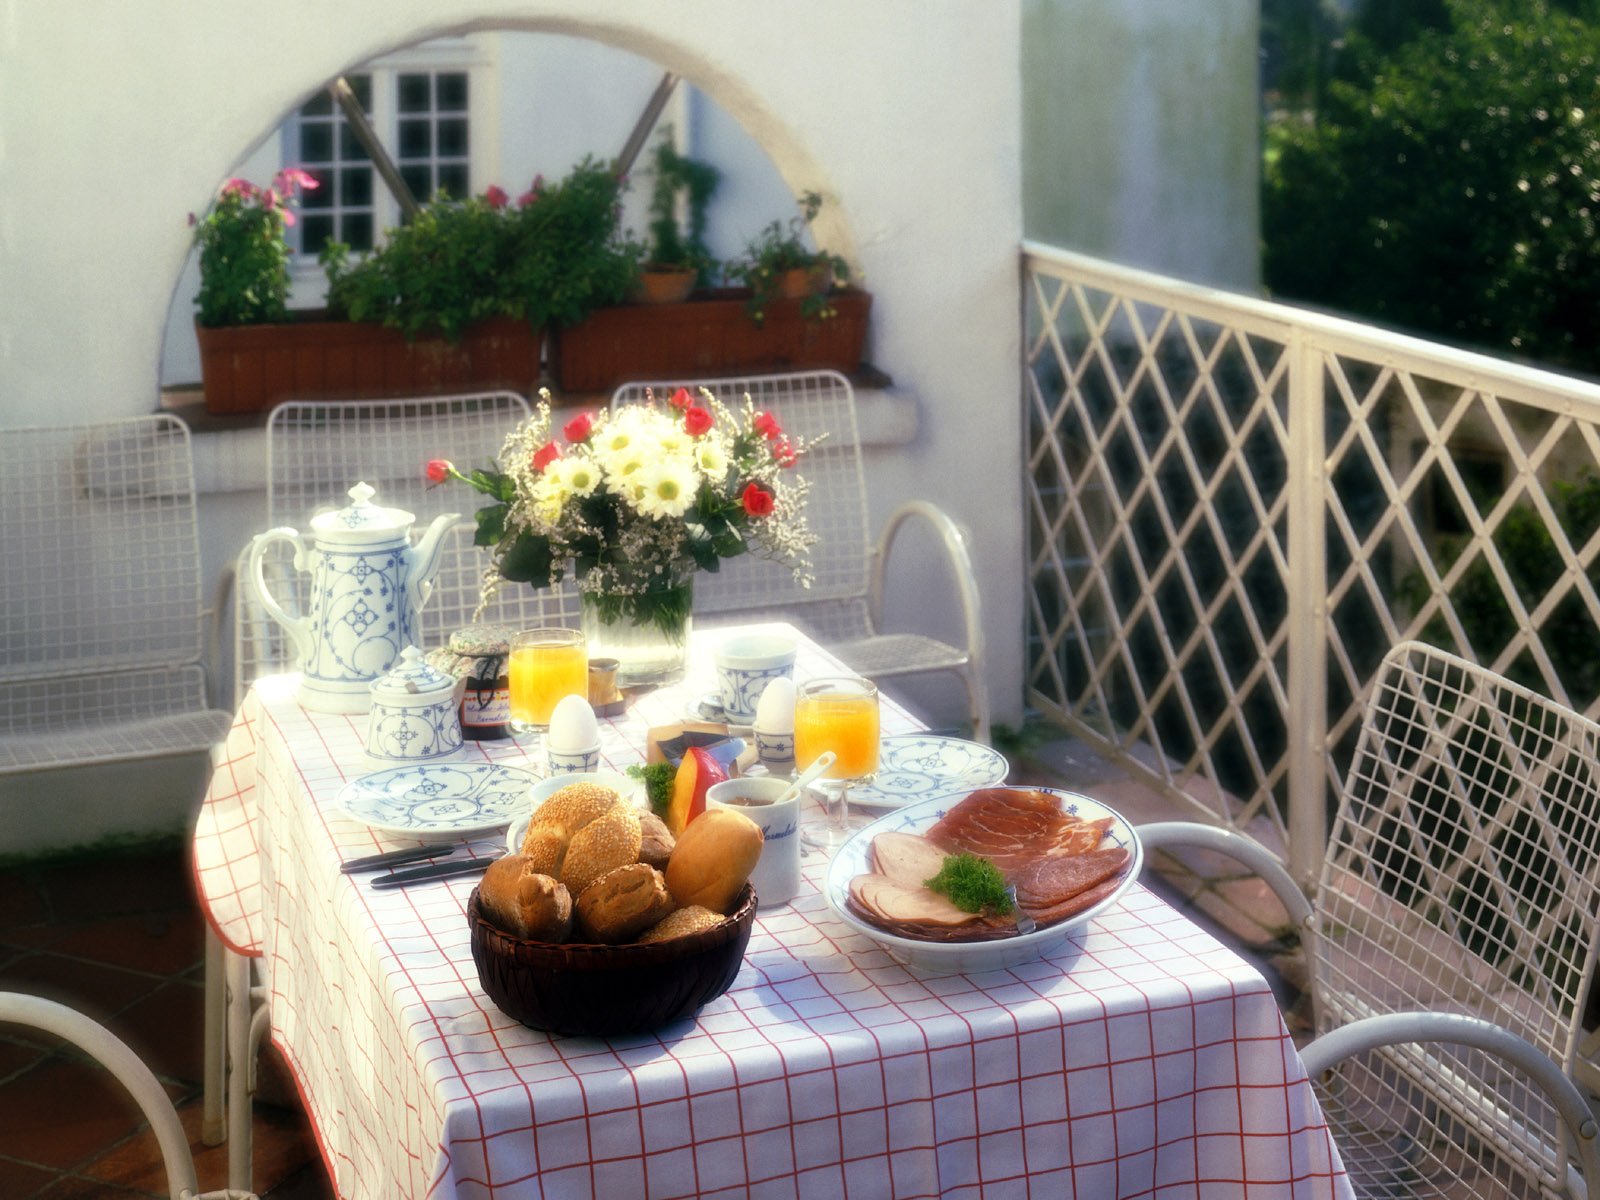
{"type": "Point", "coordinates": [906, 858]}
{"type": "Point", "coordinates": [986, 929]}
{"type": "Point", "coordinates": [1073, 906]}
{"type": "Point", "coordinates": [896, 902]}
{"type": "Point", "coordinates": [1056, 878]}
{"type": "Point", "coordinates": [1013, 827]}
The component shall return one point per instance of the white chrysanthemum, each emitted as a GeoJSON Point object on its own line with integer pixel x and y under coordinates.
{"type": "Point", "coordinates": [577, 475]}
{"type": "Point", "coordinates": [622, 470]}
{"type": "Point", "coordinates": [712, 459]}
{"type": "Point", "coordinates": [668, 488]}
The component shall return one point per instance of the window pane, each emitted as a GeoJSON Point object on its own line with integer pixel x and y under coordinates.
{"type": "Point", "coordinates": [453, 137]}
{"type": "Point", "coordinates": [315, 233]}
{"type": "Point", "coordinates": [350, 149]}
{"type": "Point", "coordinates": [416, 139]}
{"type": "Point", "coordinates": [355, 187]}
{"type": "Point", "coordinates": [320, 105]}
{"type": "Point", "coordinates": [452, 89]}
{"type": "Point", "coordinates": [316, 142]}
{"type": "Point", "coordinates": [357, 228]}
{"type": "Point", "coordinates": [414, 93]}
{"type": "Point", "coordinates": [322, 195]}
{"type": "Point", "coordinates": [453, 179]}
{"type": "Point", "coordinates": [419, 178]}
{"type": "Point", "coordinates": [361, 85]}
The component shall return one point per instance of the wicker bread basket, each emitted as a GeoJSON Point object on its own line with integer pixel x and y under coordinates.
{"type": "Point", "coordinates": [603, 990]}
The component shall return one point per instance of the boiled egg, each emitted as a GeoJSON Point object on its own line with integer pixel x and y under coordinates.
{"type": "Point", "coordinates": [775, 709]}
{"type": "Point", "coordinates": [573, 727]}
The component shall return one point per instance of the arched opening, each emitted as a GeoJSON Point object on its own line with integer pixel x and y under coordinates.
{"type": "Point", "coordinates": [499, 105]}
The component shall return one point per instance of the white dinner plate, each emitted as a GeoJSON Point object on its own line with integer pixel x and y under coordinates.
{"type": "Point", "coordinates": [945, 958]}
{"type": "Point", "coordinates": [912, 766]}
{"type": "Point", "coordinates": [439, 799]}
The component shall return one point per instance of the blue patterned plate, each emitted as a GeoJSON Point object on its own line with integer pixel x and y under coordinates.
{"type": "Point", "coordinates": [439, 799]}
{"type": "Point", "coordinates": [912, 766]}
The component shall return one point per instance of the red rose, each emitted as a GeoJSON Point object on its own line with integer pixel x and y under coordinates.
{"type": "Point", "coordinates": [783, 452]}
{"type": "Point", "coordinates": [696, 421]}
{"type": "Point", "coordinates": [496, 196]}
{"type": "Point", "coordinates": [439, 470]}
{"type": "Point", "coordinates": [546, 455]}
{"type": "Point", "coordinates": [681, 398]}
{"type": "Point", "coordinates": [757, 500]}
{"type": "Point", "coordinates": [577, 429]}
{"type": "Point", "coordinates": [766, 425]}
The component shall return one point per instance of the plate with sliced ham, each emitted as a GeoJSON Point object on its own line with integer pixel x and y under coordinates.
{"type": "Point", "coordinates": [1066, 856]}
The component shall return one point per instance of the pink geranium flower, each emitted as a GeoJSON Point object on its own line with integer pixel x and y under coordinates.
{"type": "Point", "coordinates": [495, 196]}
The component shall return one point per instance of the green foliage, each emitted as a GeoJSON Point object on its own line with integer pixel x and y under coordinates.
{"type": "Point", "coordinates": [549, 259]}
{"type": "Point", "coordinates": [782, 247]}
{"type": "Point", "coordinates": [676, 175]}
{"type": "Point", "coordinates": [1534, 566]}
{"type": "Point", "coordinates": [244, 259]}
{"type": "Point", "coordinates": [1450, 182]}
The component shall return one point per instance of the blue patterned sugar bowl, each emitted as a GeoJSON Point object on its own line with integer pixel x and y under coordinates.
{"type": "Point", "coordinates": [415, 715]}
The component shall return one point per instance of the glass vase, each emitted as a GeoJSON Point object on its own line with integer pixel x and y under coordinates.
{"type": "Point", "coordinates": [647, 632]}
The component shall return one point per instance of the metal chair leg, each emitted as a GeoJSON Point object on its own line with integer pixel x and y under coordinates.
{"type": "Point", "coordinates": [213, 1079]}
{"type": "Point", "coordinates": [239, 1072]}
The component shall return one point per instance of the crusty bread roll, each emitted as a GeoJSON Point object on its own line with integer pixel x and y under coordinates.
{"type": "Point", "coordinates": [656, 840]}
{"type": "Point", "coordinates": [581, 832]}
{"type": "Point", "coordinates": [713, 858]}
{"type": "Point", "coordinates": [622, 903]}
{"type": "Point", "coordinates": [520, 900]}
{"type": "Point", "coordinates": [684, 921]}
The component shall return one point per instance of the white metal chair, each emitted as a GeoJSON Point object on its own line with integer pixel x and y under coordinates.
{"type": "Point", "coordinates": [844, 608]}
{"type": "Point", "coordinates": [101, 625]}
{"type": "Point", "coordinates": [95, 1040]}
{"type": "Point", "coordinates": [1462, 877]}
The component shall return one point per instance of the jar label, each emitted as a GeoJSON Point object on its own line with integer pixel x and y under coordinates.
{"type": "Point", "coordinates": [485, 707]}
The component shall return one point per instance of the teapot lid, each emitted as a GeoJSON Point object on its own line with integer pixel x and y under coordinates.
{"type": "Point", "coordinates": [412, 680]}
{"type": "Point", "coordinates": [361, 519]}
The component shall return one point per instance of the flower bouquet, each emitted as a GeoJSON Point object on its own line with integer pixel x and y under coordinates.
{"type": "Point", "coordinates": [634, 502]}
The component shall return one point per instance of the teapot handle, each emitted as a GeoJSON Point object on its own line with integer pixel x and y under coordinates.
{"type": "Point", "coordinates": [299, 628]}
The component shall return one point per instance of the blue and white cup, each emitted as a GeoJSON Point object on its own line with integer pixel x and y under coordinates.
{"type": "Point", "coordinates": [573, 762]}
{"type": "Point", "coordinates": [776, 877]}
{"type": "Point", "coordinates": [745, 665]}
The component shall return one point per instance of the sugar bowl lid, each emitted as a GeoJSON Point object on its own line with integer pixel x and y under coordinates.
{"type": "Point", "coordinates": [361, 519]}
{"type": "Point", "coordinates": [412, 680]}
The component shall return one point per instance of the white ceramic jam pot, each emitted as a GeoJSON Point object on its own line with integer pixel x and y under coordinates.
{"type": "Point", "coordinates": [415, 716]}
{"type": "Point", "coordinates": [368, 584]}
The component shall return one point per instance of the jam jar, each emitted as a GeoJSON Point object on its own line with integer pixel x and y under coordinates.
{"type": "Point", "coordinates": [481, 655]}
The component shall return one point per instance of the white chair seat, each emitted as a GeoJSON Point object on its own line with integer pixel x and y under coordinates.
{"type": "Point", "coordinates": [85, 743]}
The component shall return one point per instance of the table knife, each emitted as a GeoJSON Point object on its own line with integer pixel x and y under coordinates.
{"type": "Point", "coordinates": [442, 870]}
{"type": "Point", "coordinates": [394, 858]}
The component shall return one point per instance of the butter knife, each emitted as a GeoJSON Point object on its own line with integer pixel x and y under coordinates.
{"type": "Point", "coordinates": [395, 858]}
{"type": "Point", "coordinates": [443, 870]}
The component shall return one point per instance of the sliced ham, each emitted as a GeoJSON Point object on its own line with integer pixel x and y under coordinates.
{"type": "Point", "coordinates": [1014, 827]}
{"type": "Point", "coordinates": [906, 858]}
{"type": "Point", "coordinates": [896, 902]}
{"type": "Point", "coordinates": [1058, 877]}
{"type": "Point", "coordinates": [1073, 906]}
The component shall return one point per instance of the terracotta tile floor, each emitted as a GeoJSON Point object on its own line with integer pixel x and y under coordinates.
{"type": "Point", "coordinates": [120, 938]}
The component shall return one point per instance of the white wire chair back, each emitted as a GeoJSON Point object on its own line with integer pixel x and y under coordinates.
{"type": "Point", "coordinates": [101, 623]}
{"type": "Point", "coordinates": [1463, 875]}
{"type": "Point", "coordinates": [811, 404]}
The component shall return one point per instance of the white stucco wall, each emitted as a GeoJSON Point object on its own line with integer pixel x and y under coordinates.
{"type": "Point", "coordinates": [117, 120]}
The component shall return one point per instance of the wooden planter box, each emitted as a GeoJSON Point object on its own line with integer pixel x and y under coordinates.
{"type": "Point", "coordinates": [707, 335]}
{"type": "Point", "coordinates": [250, 368]}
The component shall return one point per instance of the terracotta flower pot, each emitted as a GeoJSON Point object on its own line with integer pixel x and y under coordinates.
{"type": "Point", "coordinates": [801, 283]}
{"type": "Point", "coordinates": [666, 285]}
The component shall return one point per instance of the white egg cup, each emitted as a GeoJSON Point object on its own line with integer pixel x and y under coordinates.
{"type": "Point", "coordinates": [573, 762]}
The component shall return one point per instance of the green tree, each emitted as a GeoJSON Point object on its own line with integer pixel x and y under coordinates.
{"type": "Point", "coordinates": [1451, 182]}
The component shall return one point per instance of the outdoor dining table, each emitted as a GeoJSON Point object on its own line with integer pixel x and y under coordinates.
{"type": "Point", "coordinates": [1142, 1059]}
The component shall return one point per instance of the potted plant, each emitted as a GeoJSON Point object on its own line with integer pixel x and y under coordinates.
{"type": "Point", "coordinates": [455, 300]}
{"type": "Point", "coordinates": [676, 259]}
{"type": "Point", "coordinates": [778, 263]}
{"type": "Point", "coordinates": [727, 331]}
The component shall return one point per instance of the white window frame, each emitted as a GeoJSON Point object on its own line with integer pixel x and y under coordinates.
{"type": "Point", "coordinates": [473, 55]}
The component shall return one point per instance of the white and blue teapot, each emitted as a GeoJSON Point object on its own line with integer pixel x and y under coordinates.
{"type": "Point", "coordinates": [368, 586]}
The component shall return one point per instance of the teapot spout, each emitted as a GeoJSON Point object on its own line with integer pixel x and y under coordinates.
{"type": "Point", "coordinates": [424, 559]}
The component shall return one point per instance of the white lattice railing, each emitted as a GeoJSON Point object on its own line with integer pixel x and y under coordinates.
{"type": "Point", "coordinates": [1236, 507]}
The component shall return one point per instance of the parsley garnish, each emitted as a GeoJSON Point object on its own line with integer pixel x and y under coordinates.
{"type": "Point", "coordinates": [972, 884]}
{"type": "Point", "coordinates": [657, 785]}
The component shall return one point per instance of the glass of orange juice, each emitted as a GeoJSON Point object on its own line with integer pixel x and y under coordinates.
{"type": "Point", "coordinates": [838, 714]}
{"type": "Point", "coordinates": [546, 665]}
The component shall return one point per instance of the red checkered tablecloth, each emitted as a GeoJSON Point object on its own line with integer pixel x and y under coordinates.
{"type": "Point", "coordinates": [1143, 1060]}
